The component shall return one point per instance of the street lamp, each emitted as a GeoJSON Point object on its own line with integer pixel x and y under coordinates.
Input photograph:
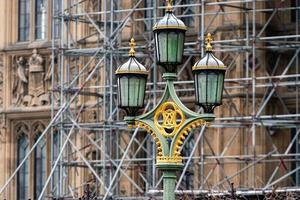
{"type": "Point", "coordinates": [170, 121]}
{"type": "Point", "coordinates": [169, 35]}
{"type": "Point", "coordinates": [209, 74]}
{"type": "Point", "coordinates": [132, 78]}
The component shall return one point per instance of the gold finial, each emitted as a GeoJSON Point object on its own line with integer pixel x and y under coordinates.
{"type": "Point", "coordinates": [169, 6]}
{"type": "Point", "coordinates": [132, 46]}
{"type": "Point", "coordinates": [208, 41]}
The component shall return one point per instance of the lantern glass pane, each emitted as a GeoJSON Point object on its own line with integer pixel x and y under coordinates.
{"type": "Point", "coordinates": [142, 88]}
{"type": "Point", "coordinates": [123, 89]}
{"type": "Point", "coordinates": [132, 91]}
{"type": "Point", "coordinates": [172, 47]}
{"type": "Point", "coordinates": [220, 87]}
{"type": "Point", "coordinates": [209, 87]}
{"type": "Point", "coordinates": [180, 47]}
{"type": "Point", "coordinates": [212, 87]}
{"type": "Point", "coordinates": [201, 83]}
{"type": "Point", "coordinates": [162, 42]}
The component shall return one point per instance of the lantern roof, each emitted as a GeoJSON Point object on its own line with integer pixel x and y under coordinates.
{"type": "Point", "coordinates": [209, 61]}
{"type": "Point", "coordinates": [169, 21]}
{"type": "Point", "coordinates": [132, 66]}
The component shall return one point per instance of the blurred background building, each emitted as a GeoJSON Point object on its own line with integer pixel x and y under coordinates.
{"type": "Point", "coordinates": [58, 99]}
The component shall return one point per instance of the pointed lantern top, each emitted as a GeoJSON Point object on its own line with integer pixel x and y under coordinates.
{"type": "Point", "coordinates": [132, 66]}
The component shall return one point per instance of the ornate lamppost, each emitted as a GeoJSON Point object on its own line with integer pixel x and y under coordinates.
{"type": "Point", "coordinates": [170, 122]}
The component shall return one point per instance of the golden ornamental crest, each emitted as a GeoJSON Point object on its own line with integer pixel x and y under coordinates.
{"type": "Point", "coordinates": [168, 118]}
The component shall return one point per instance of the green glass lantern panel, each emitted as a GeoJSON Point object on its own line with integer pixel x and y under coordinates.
{"type": "Point", "coordinates": [200, 87]}
{"type": "Point", "coordinates": [180, 47]}
{"type": "Point", "coordinates": [220, 88]}
{"type": "Point", "coordinates": [212, 88]}
{"type": "Point", "coordinates": [162, 47]}
{"type": "Point", "coordinates": [169, 46]}
{"type": "Point", "coordinates": [136, 91]}
{"type": "Point", "coordinates": [209, 88]}
{"type": "Point", "coordinates": [132, 91]}
{"type": "Point", "coordinates": [123, 90]}
{"type": "Point", "coordinates": [172, 47]}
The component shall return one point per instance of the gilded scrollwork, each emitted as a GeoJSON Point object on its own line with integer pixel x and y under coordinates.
{"type": "Point", "coordinates": [153, 134]}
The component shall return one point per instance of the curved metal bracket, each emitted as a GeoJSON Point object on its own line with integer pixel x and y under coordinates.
{"type": "Point", "coordinates": [169, 122]}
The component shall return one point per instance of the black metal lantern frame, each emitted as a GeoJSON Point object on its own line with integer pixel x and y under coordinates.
{"type": "Point", "coordinates": [203, 99]}
{"type": "Point", "coordinates": [132, 80]}
{"type": "Point", "coordinates": [130, 109]}
{"type": "Point", "coordinates": [169, 44]}
{"type": "Point", "coordinates": [169, 35]}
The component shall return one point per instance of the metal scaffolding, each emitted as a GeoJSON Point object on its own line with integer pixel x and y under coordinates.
{"type": "Point", "coordinates": [97, 155]}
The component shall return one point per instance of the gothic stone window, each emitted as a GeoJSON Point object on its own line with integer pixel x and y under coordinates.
{"type": "Point", "coordinates": [40, 19]}
{"type": "Point", "coordinates": [28, 180]}
{"type": "Point", "coordinates": [24, 20]}
{"type": "Point", "coordinates": [40, 161]}
{"type": "Point", "coordinates": [57, 12]}
{"type": "Point", "coordinates": [23, 174]}
{"type": "Point", "coordinates": [40, 22]}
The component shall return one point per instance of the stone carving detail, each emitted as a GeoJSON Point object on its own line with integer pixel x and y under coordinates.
{"type": "Point", "coordinates": [29, 88]}
{"type": "Point", "coordinates": [37, 128]}
{"type": "Point", "coordinates": [32, 129]}
{"type": "Point", "coordinates": [20, 81]}
{"type": "Point", "coordinates": [22, 129]}
{"type": "Point", "coordinates": [49, 76]}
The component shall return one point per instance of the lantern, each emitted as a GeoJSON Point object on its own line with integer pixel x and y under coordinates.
{"type": "Point", "coordinates": [132, 78]}
{"type": "Point", "coordinates": [169, 34]}
{"type": "Point", "coordinates": [209, 74]}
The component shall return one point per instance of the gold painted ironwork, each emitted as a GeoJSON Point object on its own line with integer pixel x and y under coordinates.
{"type": "Point", "coordinates": [222, 67]}
{"type": "Point", "coordinates": [132, 46]}
{"type": "Point", "coordinates": [151, 132]}
{"type": "Point", "coordinates": [131, 72]}
{"type": "Point", "coordinates": [171, 116]}
{"type": "Point", "coordinates": [127, 70]}
{"type": "Point", "coordinates": [157, 27]}
{"type": "Point", "coordinates": [169, 159]}
{"type": "Point", "coordinates": [208, 41]}
{"type": "Point", "coordinates": [184, 133]}
{"type": "Point", "coordinates": [169, 7]}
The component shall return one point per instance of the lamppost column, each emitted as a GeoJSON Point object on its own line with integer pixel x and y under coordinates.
{"type": "Point", "coordinates": [169, 178]}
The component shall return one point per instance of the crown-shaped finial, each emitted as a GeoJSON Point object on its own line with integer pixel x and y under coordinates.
{"type": "Point", "coordinates": [132, 46]}
{"type": "Point", "coordinates": [169, 6]}
{"type": "Point", "coordinates": [208, 41]}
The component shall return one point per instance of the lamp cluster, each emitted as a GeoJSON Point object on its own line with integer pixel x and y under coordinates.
{"type": "Point", "coordinates": [169, 36]}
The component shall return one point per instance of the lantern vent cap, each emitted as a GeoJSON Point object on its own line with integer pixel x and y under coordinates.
{"type": "Point", "coordinates": [209, 61]}
{"type": "Point", "coordinates": [169, 21]}
{"type": "Point", "coordinates": [132, 66]}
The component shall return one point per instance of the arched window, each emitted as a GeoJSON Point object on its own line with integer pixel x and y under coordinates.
{"type": "Point", "coordinates": [24, 20]}
{"type": "Point", "coordinates": [23, 174]}
{"type": "Point", "coordinates": [40, 162]}
{"type": "Point", "coordinates": [40, 19]}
